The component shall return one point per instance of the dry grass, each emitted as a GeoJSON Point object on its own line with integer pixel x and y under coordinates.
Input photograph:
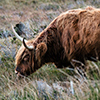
{"type": "Point", "coordinates": [66, 84]}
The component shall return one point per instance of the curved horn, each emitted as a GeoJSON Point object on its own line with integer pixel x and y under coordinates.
{"type": "Point", "coordinates": [28, 47]}
{"type": "Point", "coordinates": [19, 37]}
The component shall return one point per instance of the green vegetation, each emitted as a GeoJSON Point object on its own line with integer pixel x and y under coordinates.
{"type": "Point", "coordinates": [62, 84]}
{"type": "Point", "coordinates": [25, 89]}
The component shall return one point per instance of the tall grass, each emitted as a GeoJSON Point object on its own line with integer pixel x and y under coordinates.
{"type": "Point", "coordinates": [74, 85]}
{"type": "Point", "coordinates": [48, 83]}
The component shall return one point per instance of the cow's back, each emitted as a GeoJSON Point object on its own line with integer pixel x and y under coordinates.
{"type": "Point", "coordinates": [80, 33]}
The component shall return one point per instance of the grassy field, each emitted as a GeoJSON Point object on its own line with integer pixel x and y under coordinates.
{"type": "Point", "coordinates": [48, 83]}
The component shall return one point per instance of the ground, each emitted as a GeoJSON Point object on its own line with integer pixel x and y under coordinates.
{"type": "Point", "coordinates": [48, 83]}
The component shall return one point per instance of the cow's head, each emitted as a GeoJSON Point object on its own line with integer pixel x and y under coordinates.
{"type": "Point", "coordinates": [29, 56]}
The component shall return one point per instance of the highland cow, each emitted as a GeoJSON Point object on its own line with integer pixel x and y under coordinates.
{"type": "Point", "coordinates": [73, 35]}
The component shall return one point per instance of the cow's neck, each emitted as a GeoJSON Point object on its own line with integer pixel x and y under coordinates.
{"type": "Point", "coordinates": [55, 51]}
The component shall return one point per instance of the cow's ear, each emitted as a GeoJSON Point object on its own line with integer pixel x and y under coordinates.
{"type": "Point", "coordinates": [40, 50]}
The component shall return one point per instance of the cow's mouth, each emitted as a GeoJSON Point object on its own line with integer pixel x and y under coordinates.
{"type": "Point", "coordinates": [20, 75]}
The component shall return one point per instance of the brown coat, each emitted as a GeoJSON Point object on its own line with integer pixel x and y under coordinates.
{"type": "Point", "coordinates": [74, 34]}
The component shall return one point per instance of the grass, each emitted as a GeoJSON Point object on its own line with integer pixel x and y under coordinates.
{"type": "Point", "coordinates": [26, 89]}
{"type": "Point", "coordinates": [72, 84]}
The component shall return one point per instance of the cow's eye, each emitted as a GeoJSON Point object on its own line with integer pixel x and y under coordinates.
{"type": "Point", "coordinates": [26, 59]}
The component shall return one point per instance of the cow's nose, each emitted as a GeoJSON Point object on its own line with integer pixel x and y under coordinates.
{"type": "Point", "coordinates": [16, 72]}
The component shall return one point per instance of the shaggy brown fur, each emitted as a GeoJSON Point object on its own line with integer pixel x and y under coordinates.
{"type": "Point", "coordinates": [74, 34]}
